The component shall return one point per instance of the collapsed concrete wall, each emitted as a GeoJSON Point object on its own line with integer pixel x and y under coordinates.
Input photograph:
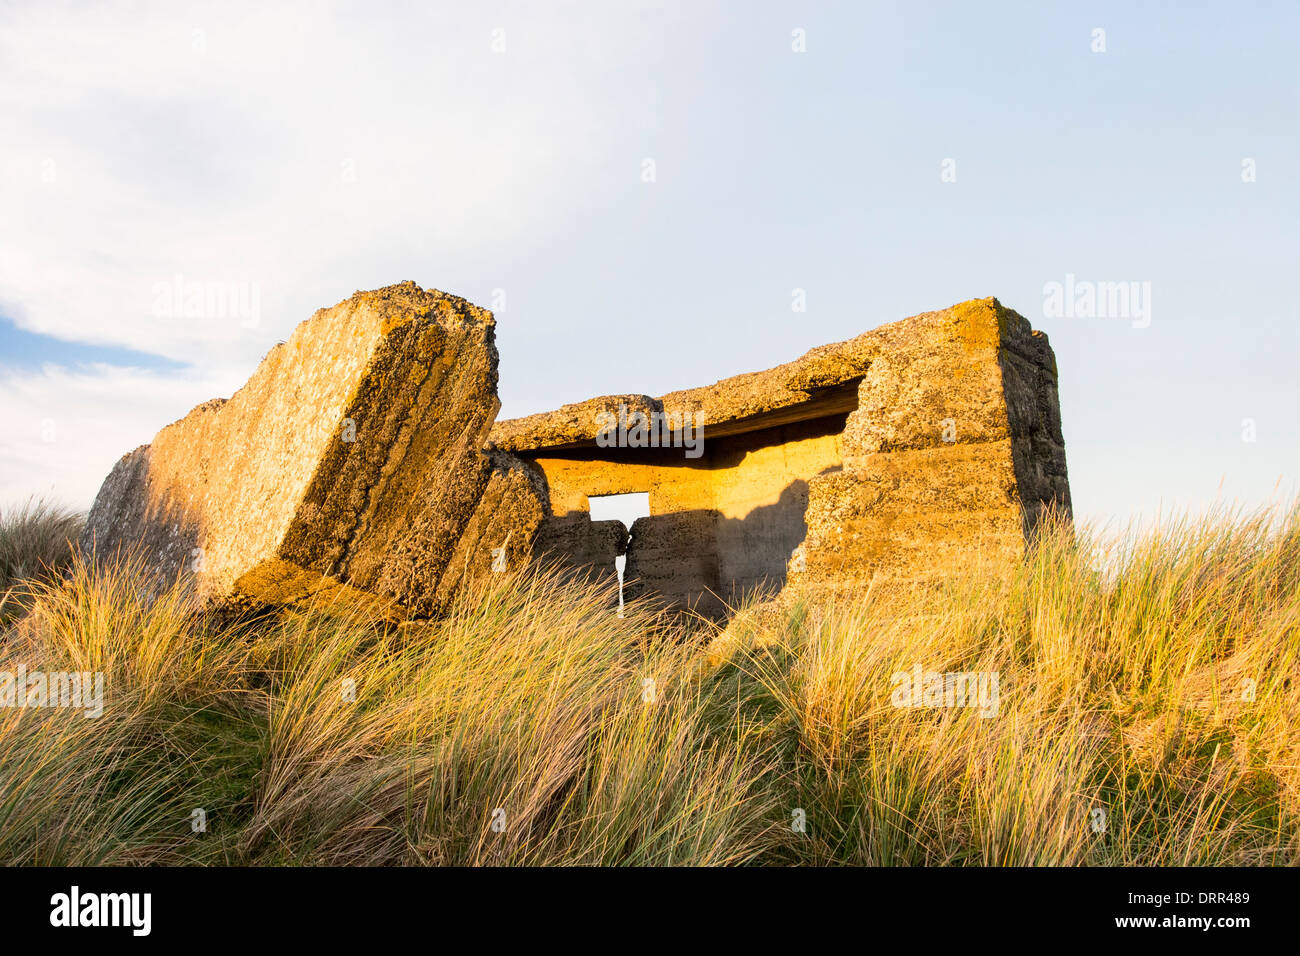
{"type": "Point", "coordinates": [358, 461]}
{"type": "Point", "coordinates": [908, 451]}
{"type": "Point", "coordinates": [350, 462]}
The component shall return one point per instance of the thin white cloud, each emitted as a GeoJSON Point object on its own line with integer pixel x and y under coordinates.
{"type": "Point", "coordinates": [299, 155]}
{"type": "Point", "coordinates": [66, 427]}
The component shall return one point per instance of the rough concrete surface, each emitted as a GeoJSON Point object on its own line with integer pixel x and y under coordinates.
{"type": "Point", "coordinates": [350, 459]}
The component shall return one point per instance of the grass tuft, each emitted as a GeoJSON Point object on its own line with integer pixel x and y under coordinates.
{"type": "Point", "coordinates": [37, 540]}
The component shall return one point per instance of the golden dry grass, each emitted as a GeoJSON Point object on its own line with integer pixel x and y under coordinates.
{"type": "Point", "coordinates": [1152, 679]}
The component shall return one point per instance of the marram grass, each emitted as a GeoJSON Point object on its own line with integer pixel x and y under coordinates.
{"type": "Point", "coordinates": [36, 541]}
{"type": "Point", "coordinates": [1147, 712]}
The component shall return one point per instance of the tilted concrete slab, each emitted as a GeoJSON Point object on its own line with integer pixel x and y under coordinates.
{"type": "Point", "coordinates": [350, 462]}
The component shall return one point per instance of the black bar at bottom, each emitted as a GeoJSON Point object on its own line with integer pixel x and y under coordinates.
{"type": "Point", "coordinates": [369, 906]}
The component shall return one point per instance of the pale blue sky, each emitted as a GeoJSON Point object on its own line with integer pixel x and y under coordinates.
{"type": "Point", "coordinates": [313, 152]}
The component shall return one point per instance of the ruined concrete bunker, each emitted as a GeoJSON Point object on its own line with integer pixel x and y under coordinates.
{"type": "Point", "coordinates": [362, 460]}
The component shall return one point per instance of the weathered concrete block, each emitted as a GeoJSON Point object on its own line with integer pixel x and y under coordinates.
{"type": "Point", "coordinates": [951, 455]}
{"type": "Point", "coordinates": [350, 460]}
{"type": "Point", "coordinates": [577, 544]}
{"type": "Point", "coordinates": [675, 557]}
{"type": "Point", "coordinates": [499, 534]}
{"type": "Point", "coordinates": [913, 514]}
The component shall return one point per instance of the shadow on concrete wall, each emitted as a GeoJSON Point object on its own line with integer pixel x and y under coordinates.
{"type": "Point", "coordinates": [703, 562]}
{"type": "Point", "coordinates": [1034, 419]}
